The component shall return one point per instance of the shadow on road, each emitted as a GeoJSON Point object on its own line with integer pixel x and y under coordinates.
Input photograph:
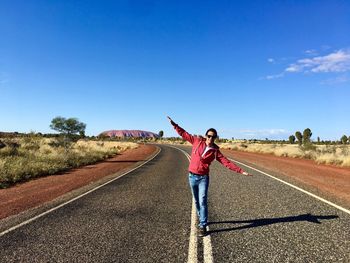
{"type": "Point", "coordinates": [269, 221]}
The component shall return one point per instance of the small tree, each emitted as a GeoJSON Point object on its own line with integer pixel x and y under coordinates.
{"type": "Point", "coordinates": [160, 134]}
{"type": "Point", "coordinates": [299, 137]}
{"type": "Point", "coordinates": [68, 128]}
{"type": "Point", "coordinates": [292, 139]}
{"type": "Point", "coordinates": [307, 136]}
{"type": "Point", "coordinates": [103, 137]}
{"type": "Point", "coordinates": [344, 139]}
{"type": "Point", "coordinates": [318, 139]}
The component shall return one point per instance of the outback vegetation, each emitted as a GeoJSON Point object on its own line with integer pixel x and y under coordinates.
{"type": "Point", "coordinates": [322, 154]}
{"type": "Point", "coordinates": [299, 145]}
{"type": "Point", "coordinates": [26, 156]}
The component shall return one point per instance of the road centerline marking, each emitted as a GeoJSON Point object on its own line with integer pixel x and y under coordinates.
{"type": "Point", "coordinates": [207, 248]}
{"type": "Point", "coordinates": [193, 244]}
{"type": "Point", "coordinates": [193, 247]}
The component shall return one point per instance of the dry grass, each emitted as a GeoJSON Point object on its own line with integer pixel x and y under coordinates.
{"type": "Point", "coordinates": [35, 156]}
{"type": "Point", "coordinates": [104, 145]}
{"type": "Point", "coordinates": [323, 154]}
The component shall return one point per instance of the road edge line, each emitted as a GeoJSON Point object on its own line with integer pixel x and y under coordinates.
{"type": "Point", "coordinates": [296, 187]}
{"type": "Point", "coordinates": [75, 198]}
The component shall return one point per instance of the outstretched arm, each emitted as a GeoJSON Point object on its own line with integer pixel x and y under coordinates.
{"type": "Point", "coordinates": [184, 134]}
{"type": "Point", "coordinates": [230, 165]}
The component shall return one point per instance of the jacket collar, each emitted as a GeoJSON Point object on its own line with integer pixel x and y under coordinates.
{"type": "Point", "coordinates": [215, 146]}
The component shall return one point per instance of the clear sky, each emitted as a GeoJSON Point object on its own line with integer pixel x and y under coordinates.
{"type": "Point", "coordinates": [250, 69]}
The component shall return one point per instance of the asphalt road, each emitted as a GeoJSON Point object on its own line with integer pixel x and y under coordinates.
{"type": "Point", "coordinates": [258, 219]}
{"type": "Point", "coordinates": [145, 216]}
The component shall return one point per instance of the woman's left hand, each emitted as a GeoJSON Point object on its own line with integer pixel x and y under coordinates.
{"type": "Point", "coordinates": [247, 174]}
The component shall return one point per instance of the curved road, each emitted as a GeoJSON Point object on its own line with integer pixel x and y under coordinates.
{"type": "Point", "coordinates": [146, 216]}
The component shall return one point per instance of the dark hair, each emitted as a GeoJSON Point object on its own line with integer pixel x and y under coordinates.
{"type": "Point", "coordinates": [212, 130]}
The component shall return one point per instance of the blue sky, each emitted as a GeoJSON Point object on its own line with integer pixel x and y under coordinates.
{"type": "Point", "coordinates": [251, 69]}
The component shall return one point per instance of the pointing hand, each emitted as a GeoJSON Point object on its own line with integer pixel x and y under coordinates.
{"type": "Point", "coordinates": [171, 121]}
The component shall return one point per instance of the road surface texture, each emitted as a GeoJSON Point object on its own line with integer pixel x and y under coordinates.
{"type": "Point", "coordinates": [258, 219]}
{"type": "Point", "coordinates": [145, 216]}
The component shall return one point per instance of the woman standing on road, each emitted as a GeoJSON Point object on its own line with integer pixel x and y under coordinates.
{"type": "Point", "coordinates": [204, 151]}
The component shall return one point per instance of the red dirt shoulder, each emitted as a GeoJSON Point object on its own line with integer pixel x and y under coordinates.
{"type": "Point", "coordinates": [38, 191]}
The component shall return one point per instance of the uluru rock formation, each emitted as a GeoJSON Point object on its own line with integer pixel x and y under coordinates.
{"type": "Point", "coordinates": [130, 133]}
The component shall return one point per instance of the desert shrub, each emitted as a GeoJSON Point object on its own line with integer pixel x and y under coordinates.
{"type": "Point", "coordinates": [325, 154]}
{"type": "Point", "coordinates": [308, 147]}
{"type": "Point", "coordinates": [30, 162]}
{"type": "Point", "coordinates": [2, 145]}
{"type": "Point", "coordinates": [31, 142]}
{"type": "Point", "coordinates": [346, 161]}
{"type": "Point", "coordinates": [11, 148]}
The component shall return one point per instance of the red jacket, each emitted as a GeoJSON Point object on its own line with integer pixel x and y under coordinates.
{"type": "Point", "coordinates": [199, 164]}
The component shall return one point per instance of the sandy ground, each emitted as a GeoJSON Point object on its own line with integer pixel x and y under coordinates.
{"type": "Point", "coordinates": [38, 191]}
{"type": "Point", "coordinates": [329, 181]}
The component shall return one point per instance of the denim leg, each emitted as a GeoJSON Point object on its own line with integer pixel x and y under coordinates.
{"type": "Point", "coordinates": [203, 200]}
{"type": "Point", "coordinates": [199, 187]}
{"type": "Point", "coordinates": [193, 180]}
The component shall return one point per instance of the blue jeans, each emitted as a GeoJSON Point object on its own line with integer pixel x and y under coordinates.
{"type": "Point", "coordinates": [199, 187]}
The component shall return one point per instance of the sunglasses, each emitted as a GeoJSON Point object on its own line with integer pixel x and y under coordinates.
{"type": "Point", "coordinates": [211, 136]}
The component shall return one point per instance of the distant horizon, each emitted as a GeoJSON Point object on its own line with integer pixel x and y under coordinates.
{"type": "Point", "coordinates": [176, 135]}
{"type": "Point", "coordinates": [251, 70]}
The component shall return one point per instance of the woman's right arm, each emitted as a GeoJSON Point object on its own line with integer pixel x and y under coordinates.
{"type": "Point", "coordinates": [184, 134]}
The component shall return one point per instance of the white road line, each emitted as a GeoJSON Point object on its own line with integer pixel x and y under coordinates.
{"type": "Point", "coordinates": [207, 248]}
{"type": "Point", "coordinates": [193, 245]}
{"type": "Point", "coordinates": [75, 198]}
{"type": "Point", "coordinates": [296, 187]}
{"type": "Point", "coordinates": [192, 248]}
